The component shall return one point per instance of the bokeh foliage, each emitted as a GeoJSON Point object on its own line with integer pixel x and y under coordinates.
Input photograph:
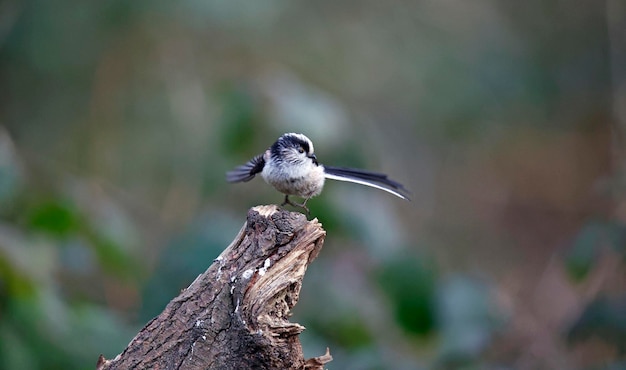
{"type": "Point", "coordinates": [118, 120]}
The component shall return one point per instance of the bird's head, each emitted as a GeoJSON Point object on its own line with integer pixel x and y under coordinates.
{"type": "Point", "coordinates": [293, 148]}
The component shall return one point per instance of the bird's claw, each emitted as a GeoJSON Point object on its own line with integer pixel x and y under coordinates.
{"type": "Point", "coordinates": [303, 205]}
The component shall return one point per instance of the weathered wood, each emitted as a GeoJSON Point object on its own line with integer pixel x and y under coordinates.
{"type": "Point", "coordinates": [235, 315]}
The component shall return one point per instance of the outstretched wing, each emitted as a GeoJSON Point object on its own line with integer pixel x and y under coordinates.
{"type": "Point", "coordinates": [373, 179]}
{"type": "Point", "coordinates": [247, 171]}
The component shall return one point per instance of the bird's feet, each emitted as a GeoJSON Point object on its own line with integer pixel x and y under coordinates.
{"type": "Point", "coordinates": [303, 205]}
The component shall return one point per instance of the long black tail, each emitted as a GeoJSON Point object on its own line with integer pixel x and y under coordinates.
{"type": "Point", "coordinates": [373, 179]}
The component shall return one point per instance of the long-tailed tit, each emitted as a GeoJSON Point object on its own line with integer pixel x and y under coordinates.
{"type": "Point", "coordinates": [290, 165]}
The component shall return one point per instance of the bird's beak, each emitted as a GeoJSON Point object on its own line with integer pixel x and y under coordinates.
{"type": "Point", "coordinates": [314, 158]}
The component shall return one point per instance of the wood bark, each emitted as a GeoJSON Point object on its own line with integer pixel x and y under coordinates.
{"type": "Point", "coordinates": [235, 315]}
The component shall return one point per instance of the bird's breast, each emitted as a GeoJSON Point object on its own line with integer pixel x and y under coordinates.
{"type": "Point", "coordinates": [303, 182]}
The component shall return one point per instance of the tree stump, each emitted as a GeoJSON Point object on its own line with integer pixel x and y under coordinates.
{"type": "Point", "coordinates": [235, 315]}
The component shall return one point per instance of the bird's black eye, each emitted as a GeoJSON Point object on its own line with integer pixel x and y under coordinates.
{"type": "Point", "coordinates": [300, 150]}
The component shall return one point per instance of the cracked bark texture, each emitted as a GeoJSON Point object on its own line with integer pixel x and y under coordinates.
{"type": "Point", "coordinates": [235, 315]}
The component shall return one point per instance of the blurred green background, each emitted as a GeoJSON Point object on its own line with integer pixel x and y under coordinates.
{"type": "Point", "coordinates": [118, 120]}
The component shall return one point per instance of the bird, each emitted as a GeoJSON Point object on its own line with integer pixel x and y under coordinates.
{"type": "Point", "coordinates": [291, 167]}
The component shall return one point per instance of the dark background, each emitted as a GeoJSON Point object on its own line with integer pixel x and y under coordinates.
{"type": "Point", "coordinates": [118, 120]}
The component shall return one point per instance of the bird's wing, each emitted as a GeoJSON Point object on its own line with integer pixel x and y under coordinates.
{"type": "Point", "coordinates": [247, 171]}
{"type": "Point", "coordinates": [373, 179]}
